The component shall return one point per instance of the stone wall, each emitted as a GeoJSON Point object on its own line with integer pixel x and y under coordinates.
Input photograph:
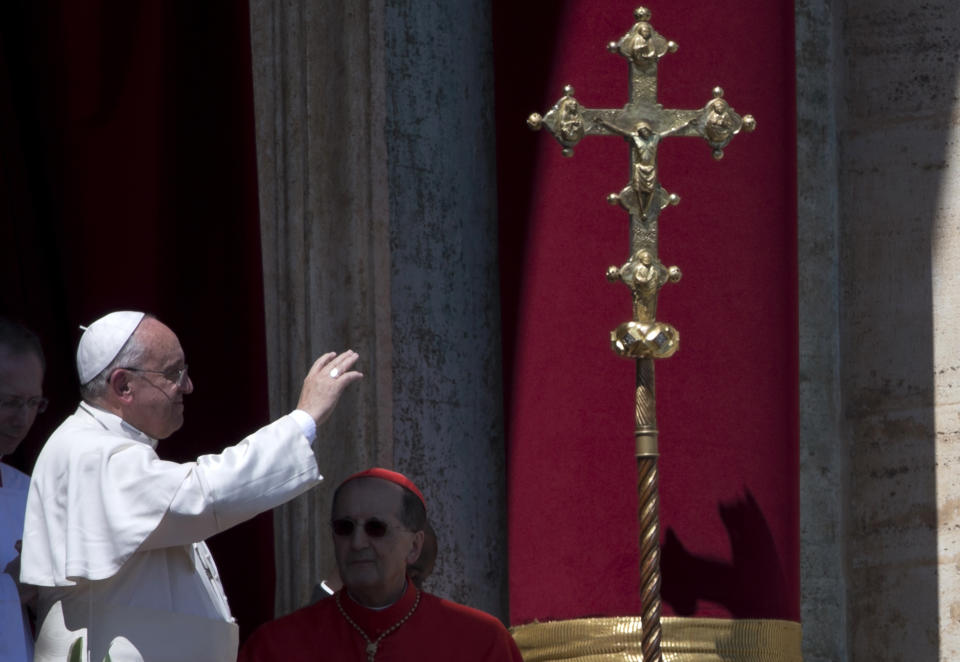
{"type": "Point", "coordinates": [822, 452]}
{"type": "Point", "coordinates": [378, 221]}
{"type": "Point", "coordinates": [877, 97]}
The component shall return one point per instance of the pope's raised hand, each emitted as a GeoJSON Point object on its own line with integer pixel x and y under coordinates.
{"type": "Point", "coordinates": [325, 383]}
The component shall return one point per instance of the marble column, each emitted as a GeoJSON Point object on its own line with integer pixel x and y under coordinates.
{"type": "Point", "coordinates": [378, 216]}
{"type": "Point", "coordinates": [448, 420]}
{"type": "Point", "coordinates": [898, 301]}
{"type": "Point", "coordinates": [822, 448]}
{"type": "Point", "coordinates": [324, 215]}
{"type": "Point", "coordinates": [878, 105]}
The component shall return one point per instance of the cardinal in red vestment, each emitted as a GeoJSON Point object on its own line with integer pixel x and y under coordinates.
{"type": "Point", "coordinates": [380, 615]}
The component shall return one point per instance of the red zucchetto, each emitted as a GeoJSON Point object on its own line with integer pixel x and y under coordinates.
{"type": "Point", "coordinates": [390, 476]}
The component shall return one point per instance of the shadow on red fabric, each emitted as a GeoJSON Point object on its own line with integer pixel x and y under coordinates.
{"type": "Point", "coordinates": [752, 585]}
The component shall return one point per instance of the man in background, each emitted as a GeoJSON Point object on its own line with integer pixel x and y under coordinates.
{"type": "Point", "coordinates": [380, 615]}
{"type": "Point", "coordinates": [418, 571]}
{"type": "Point", "coordinates": [21, 399]}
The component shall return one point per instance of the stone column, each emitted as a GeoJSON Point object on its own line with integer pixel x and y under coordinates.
{"type": "Point", "coordinates": [378, 215]}
{"type": "Point", "coordinates": [321, 152]}
{"type": "Point", "coordinates": [822, 448]}
{"type": "Point", "coordinates": [880, 491]}
{"type": "Point", "coordinates": [898, 340]}
{"type": "Point", "coordinates": [448, 420]}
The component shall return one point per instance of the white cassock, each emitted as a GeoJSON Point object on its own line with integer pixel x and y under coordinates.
{"type": "Point", "coordinates": [16, 639]}
{"type": "Point", "coordinates": [113, 536]}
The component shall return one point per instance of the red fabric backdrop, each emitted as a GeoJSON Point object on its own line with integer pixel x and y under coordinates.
{"type": "Point", "coordinates": [128, 180]}
{"type": "Point", "coordinates": [727, 401]}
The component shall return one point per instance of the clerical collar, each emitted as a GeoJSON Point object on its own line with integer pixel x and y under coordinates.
{"type": "Point", "coordinates": [376, 625]}
{"type": "Point", "coordinates": [386, 606]}
{"type": "Point", "coordinates": [113, 423]}
{"type": "Point", "coordinates": [375, 621]}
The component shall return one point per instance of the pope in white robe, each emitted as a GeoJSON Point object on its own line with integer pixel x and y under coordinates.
{"type": "Point", "coordinates": [113, 535]}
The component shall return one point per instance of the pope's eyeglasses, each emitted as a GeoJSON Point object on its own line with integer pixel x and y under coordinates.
{"type": "Point", "coordinates": [374, 528]}
{"type": "Point", "coordinates": [178, 377]}
{"type": "Point", "coordinates": [10, 404]}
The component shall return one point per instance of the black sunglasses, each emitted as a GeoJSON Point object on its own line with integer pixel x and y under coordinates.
{"type": "Point", "coordinates": [374, 528]}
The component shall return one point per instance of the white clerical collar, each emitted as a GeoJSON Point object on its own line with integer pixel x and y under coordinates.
{"type": "Point", "coordinates": [386, 606]}
{"type": "Point", "coordinates": [114, 423]}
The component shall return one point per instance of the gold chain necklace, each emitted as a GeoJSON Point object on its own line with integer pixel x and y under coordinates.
{"type": "Point", "coordinates": [372, 645]}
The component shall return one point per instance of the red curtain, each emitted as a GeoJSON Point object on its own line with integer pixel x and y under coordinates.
{"type": "Point", "coordinates": [127, 177]}
{"type": "Point", "coordinates": [128, 180]}
{"type": "Point", "coordinates": [727, 401]}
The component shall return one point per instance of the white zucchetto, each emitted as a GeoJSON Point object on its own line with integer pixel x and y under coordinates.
{"type": "Point", "coordinates": [103, 340]}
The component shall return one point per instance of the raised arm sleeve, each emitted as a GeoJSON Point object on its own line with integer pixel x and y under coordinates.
{"type": "Point", "coordinates": [266, 469]}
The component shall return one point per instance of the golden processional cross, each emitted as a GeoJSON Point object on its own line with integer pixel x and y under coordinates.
{"type": "Point", "coordinates": [643, 123]}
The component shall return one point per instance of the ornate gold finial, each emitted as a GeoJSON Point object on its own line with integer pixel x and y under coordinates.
{"type": "Point", "coordinates": [644, 337]}
{"type": "Point", "coordinates": [642, 45]}
{"type": "Point", "coordinates": [564, 121]}
{"type": "Point", "coordinates": [719, 123]}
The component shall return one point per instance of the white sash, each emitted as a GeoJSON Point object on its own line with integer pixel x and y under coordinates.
{"type": "Point", "coordinates": [134, 634]}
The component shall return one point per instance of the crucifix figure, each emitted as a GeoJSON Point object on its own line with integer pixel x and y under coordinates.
{"type": "Point", "coordinates": [644, 123]}
{"type": "Point", "coordinates": [643, 182]}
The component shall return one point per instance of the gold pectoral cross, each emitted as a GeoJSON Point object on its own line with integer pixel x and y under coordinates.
{"type": "Point", "coordinates": [643, 123]}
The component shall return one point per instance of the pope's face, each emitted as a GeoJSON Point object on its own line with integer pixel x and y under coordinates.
{"type": "Point", "coordinates": [156, 399]}
{"type": "Point", "coordinates": [21, 379]}
{"type": "Point", "coordinates": [373, 568]}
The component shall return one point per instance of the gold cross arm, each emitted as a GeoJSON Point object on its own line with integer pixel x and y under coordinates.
{"type": "Point", "coordinates": [569, 122]}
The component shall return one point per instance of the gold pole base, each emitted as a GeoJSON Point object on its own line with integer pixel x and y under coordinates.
{"type": "Point", "coordinates": [617, 638]}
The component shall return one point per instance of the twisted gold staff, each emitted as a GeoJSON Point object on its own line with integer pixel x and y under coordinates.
{"type": "Point", "coordinates": [643, 123]}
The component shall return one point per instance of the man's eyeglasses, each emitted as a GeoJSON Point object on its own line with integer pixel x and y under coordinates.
{"type": "Point", "coordinates": [374, 528]}
{"type": "Point", "coordinates": [178, 377]}
{"type": "Point", "coordinates": [10, 404]}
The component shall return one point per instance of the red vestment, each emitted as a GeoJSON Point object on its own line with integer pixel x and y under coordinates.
{"type": "Point", "coordinates": [438, 631]}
